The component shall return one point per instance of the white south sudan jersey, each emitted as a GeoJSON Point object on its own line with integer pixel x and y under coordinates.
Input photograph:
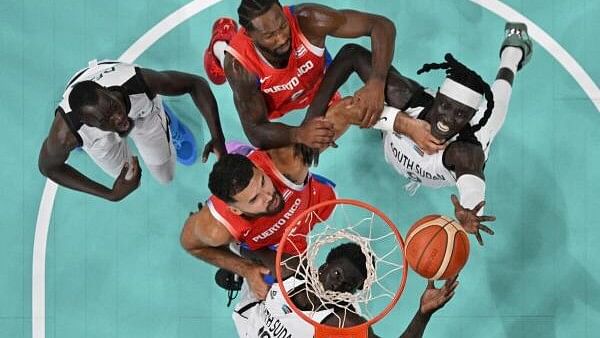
{"type": "Point", "coordinates": [411, 162]}
{"type": "Point", "coordinates": [273, 318]}
{"type": "Point", "coordinates": [140, 101]}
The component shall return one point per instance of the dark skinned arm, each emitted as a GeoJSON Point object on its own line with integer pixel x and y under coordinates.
{"type": "Point", "coordinates": [318, 21]}
{"type": "Point", "coordinates": [52, 164]}
{"type": "Point", "coordinates": [252, 109]}
{"type": "Point", "coordinates": [431, 301]}
{"type": "Point", "coordinates": [173, 83]}
{"type": "Point", "coordinates": [466, 158]}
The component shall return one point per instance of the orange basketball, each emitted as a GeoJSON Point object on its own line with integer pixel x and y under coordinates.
{"type": "Point", "coordinates": [437, 247]}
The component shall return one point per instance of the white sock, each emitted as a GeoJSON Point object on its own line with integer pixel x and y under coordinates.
{"type": "Point", "coordinates": [219, 51]}
{"type": "Point", "coordinates": [510, 58]}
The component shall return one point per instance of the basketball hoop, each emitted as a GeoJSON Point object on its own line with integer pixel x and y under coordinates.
{"type": "Point", "coordinates": [378, 239]}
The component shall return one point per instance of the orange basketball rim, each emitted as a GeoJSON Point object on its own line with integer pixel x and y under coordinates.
{"type": "Point", "coordinates": [326, 331]}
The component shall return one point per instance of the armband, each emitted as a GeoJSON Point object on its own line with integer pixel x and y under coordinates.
{"type": "Point", "coordinates": [471, 190]}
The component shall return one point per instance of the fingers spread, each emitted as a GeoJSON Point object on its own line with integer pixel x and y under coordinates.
{"type": "Point", "coordinates": [479, 206]}
{"type": "Point", "coordinates": [124, 169]}
{"type": "Point", "coordinates": [479, 239]}
{"type": "Point", "coordinates": [455, 201]}
{"type": "Point", "coordinates": [430, 284]}
{"type": "Point", "coordinates": [486, 229]}
{"type": "Point", "coordinates": [206, 152]}
{"type": "Point", "coordinates": [487, 218]}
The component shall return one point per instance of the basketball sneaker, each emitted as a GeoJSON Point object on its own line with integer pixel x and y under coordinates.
{"type": "Point", "coordinates": [223, 30]}
{"type": "Point", "coordinates": [182, 138]}
{"type": "Point", "coordinates": [517, 36]}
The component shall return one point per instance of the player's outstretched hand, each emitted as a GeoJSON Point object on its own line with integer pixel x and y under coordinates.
{"type": "Point", "coordinates": [214, 146]}
{"type": "Point", "coordinates": [469, 219]}
{"type": "Point", "coordinates": [255, 277]}
{"type": "Point", "coordinates": [370, 98]}
{"type": "Point", "coordinates": [434, 299]}
{"type": "Point", "coordinates": [124, 186]}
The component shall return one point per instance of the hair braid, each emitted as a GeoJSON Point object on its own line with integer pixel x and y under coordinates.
{"type": "Point", "coordinates": [250, 9]}
{"type": "Point", "coordinates": [458, 72]}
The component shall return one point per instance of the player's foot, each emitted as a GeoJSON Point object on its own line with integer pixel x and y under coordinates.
{"type": "Point", "coordinates": [182, 138]}
{"type": "Point", "coordinates": [517, 36]}
{"type": "Point", "coordinates": [223, 30]}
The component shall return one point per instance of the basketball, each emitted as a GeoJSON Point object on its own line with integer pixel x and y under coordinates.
{"type": "Point", "coordinates": [437, 247]}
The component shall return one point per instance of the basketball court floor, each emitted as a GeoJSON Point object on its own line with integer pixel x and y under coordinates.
{"type": "Point", "coordinates": [77, 266]}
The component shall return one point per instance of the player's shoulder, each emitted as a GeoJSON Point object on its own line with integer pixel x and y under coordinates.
{"type": "Point", "coordinates": [310, 10]}
{"type": "Point", "coordinates": [464, 154]}
{"type": "Point", "coordinates": [238, 75]}
{"type": "Point", "coordinates": [323, 180]}
{"type": "Point", "coordinates": [60, 136]}
{"type": "Point", "coordinates": [203, 228]}
{"type": "Point", "coordinates": [317, 20]}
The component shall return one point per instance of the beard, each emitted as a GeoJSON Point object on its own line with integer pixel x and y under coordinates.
{"type": "Point", "coordinates": [276, 58]}
{"type": "Point", "coordinates": [277, 204]}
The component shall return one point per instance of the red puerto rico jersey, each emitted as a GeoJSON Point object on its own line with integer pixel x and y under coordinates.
{"type": "Point", "coordinates": [289, 88]}
{"type": "Point", "coordinates": [266, 231]}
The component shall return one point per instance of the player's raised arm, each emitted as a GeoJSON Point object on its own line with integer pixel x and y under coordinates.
{"type": "Point", "coordinates": [52, 164]}
{"type": "Point", "coordinates": [432, 300]}
{"type": "Point", "coordinates": [173, 83]}
{"type": "Point", "coordinates": [468, 161]}
{"type": "Point", "coordinates": [320, 21]}
{"type": "Point", "coordinates": [252, 109]}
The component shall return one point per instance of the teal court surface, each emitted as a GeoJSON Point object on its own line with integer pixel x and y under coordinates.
{"type": "Point", "coordinates": [117, 270]}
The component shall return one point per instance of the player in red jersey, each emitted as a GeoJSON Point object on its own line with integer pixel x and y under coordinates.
{"type": "Point", "coordinates": [276, 61]}
{"type": "Point", "coordinates": [255, 194]}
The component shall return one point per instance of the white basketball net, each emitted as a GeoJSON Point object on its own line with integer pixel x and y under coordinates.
{"type": "Point", "coordinates": [369, 233]}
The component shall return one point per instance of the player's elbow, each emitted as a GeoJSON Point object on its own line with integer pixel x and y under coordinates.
{"type": "Point", "coordinates": [259, 142]}
{"type": "Point", "coordinates": [258, 139]}
{"type": "Point", "coordinates": [44, 167]}
{"type": "Point", "coordinates": [186, 244]}
{"type": "Point", "coordinates": [201, 85]}
{"type": "Point", "coordinates": [388, 26]}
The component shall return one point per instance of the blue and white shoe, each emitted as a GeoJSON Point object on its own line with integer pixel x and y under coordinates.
{"type": "Point", "coordinates": [182, 138]}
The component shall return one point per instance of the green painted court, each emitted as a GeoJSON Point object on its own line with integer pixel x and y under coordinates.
{"type": "Point", "coordinates": [117, 269]}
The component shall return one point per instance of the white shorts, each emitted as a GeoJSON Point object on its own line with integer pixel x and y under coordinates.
{"type": "Point", "coordinates": [151, 136]}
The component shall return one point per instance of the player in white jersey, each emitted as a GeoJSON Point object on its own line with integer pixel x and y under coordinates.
{"type": "Point", "coordinates": [110, 100]}
{"type": "Point", "coordinates": [457, 115]}
{"type": "Point", "coordinates": [344, 270]}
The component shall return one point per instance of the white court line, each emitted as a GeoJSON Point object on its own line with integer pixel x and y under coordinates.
{"type": "Point", "coordinates": [38, 275]}
{"type": "Point", "coordinates": [549, 44]}
{"type": "Point", "coordinates": [38, 301]}
{"type": "Point", "coordinates": [166, 25]}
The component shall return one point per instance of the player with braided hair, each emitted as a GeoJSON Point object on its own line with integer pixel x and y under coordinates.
{"type": "Point", "coordinates": [457, 115]}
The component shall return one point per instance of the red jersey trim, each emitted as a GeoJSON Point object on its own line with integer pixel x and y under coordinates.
{"type": "Point", "coordinates": [232, 230]}
{"type": "Point", "coordinates": [317, 51]}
